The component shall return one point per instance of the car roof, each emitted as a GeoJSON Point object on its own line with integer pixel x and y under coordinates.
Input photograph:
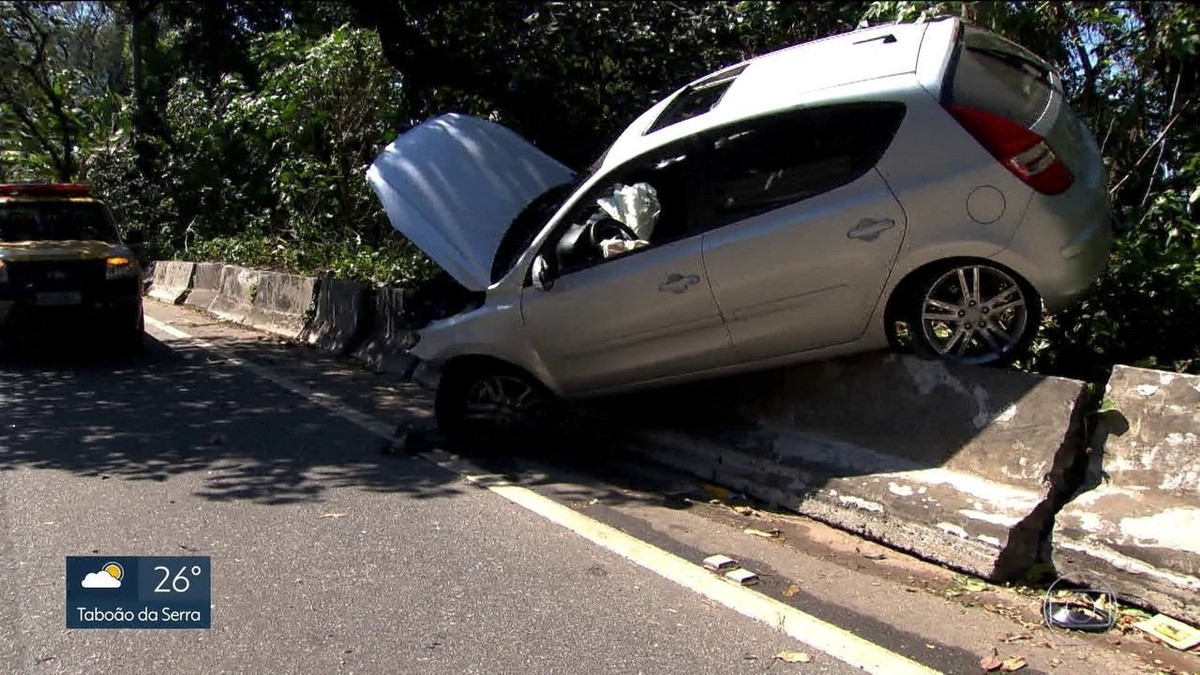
{"type": "Point", "coordinates": [782, 79]}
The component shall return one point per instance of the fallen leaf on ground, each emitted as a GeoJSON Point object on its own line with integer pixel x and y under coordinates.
{"type": "Point", "coordinates": [792, 590]}
{"type": "Point", "coordinates": [794, 657]}
{"type": "Point", "coordinates": [873, 555]}
{"type": "Point", "coordinates": [971, 583]}
{"type": "Point", "coordinates": [332, 515]}
{"type": "Point", "coordinates": [759, 533]}
{"type": "Point", "coordinates": [1012, 665]}
{"type": "Point", "coordinates": [1014, 637]}
{"type": "Point", "coordinates": [991, 662]}
{"type": "Point", "coordinates": [743, 510]}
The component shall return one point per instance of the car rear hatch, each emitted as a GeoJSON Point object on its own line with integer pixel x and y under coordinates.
{"type": "Point", "coordinates": [992, 81]}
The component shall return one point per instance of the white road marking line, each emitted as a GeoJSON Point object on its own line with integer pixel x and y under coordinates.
{"type": "Point", "coordinates": [816, 633]}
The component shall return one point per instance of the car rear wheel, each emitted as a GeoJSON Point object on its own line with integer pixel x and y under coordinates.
{"type": "Point", "coordinates": [485, 407]}
{"type": "Point", "coordinates": [972, 313]}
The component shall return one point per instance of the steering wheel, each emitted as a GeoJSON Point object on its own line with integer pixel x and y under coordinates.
{"type": "Point", "coordinates": [605, 228]}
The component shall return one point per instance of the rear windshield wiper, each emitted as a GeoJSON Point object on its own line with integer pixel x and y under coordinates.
{"type": "Point", "coordinates": [1039, 70]}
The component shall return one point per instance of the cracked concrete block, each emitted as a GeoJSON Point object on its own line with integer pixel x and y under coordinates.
{"type": "Point", "coordinates": [282, 304]}
{"type": "Point", "coordinates": [235, 292]}
{"type": "Point", "coordinates": [340, 318]}
{"type": "Point", "coordinates": [1135, 526]}
{"type": "Point", "coordinates": [206, 282]}
{"type": "Point", "coordinates": [171, 281]}
{"type": "Point", "coordinates": [964, 466]}
{"type": "Point", "coordinates": [385, 348]}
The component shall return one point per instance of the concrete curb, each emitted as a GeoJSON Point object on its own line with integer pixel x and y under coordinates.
{"type": "Point", "coordinates": [1137, 530]}
{"type": "Point", "coordinates": [963, 466]}
{"type": "Point", "coordinates": [282, 304]}
{"type": "Point", "coordinates": [385, 347]}
{"type": "Point", "coordinates": [206, 281]}
{"type": "Point", "coordinates": [343, 310]}
{"type": "Point", "coordinates": [171, 281]}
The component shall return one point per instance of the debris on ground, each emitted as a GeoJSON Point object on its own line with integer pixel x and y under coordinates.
{"type": "Point", "coordinates": [792, 590]}
{"type": "Point", "coordinates": [716, 492]}
{"type": "Point", "coordinates": [742, 576]}
{"type": "Point", "coordinates": [744, 511]}
{"type": "Point", "coordinates": [719, 563]}
{"type": "Point", "coordinates": [793, 657]}
{"type": "Point", "coordinates": [970, 583]}
{"type": "Point", "coordinates": [1089, 609]}
{"type": "Point", "coordinates": [332, 515]}
{"type": "Point", "coordinates": [1013, 665]}
{"type": "Point", "coordinates": [1171, 631]}
{"type": "Point", "coordinates": [773, 534]}
{"type": "Point", "coordinates": [991, 661]}
{"type": "Point", "coordinates": [871, 555]}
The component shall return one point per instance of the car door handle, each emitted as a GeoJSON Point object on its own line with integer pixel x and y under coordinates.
{"type": "Point", "coordinates": [678, 283]}
{"type": "Point", "coordinates": [869, 229]}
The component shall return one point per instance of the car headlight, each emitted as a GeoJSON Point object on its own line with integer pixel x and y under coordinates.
{"type": "Point", "coordinates": [119, 267]}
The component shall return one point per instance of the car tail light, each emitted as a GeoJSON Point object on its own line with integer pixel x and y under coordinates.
{"type": "Point", "coordinates": [1021, 151]}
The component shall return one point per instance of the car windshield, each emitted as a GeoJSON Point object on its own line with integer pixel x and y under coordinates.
{"type": "Point", "coordinates": [526, 226]}
{"type": "Point", "coordinates": [55, 221]}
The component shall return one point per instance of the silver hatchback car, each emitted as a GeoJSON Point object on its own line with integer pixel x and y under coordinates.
{"type": "Point", "coordinates": [920, 183]}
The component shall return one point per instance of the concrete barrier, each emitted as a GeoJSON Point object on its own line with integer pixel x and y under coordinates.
{"type": "Point", "coordinates": [171, 281]}
{"type": "Point", "coordinates": [385, 347]}
{"type": "Point", "coordinates": [235, 292]}
{"type": "Point", "coordinates": [341, 316]}
{"type": "Point", "coordinates": [964, 466]}
{"type": "Point", "coordinates": [206, 281]}
{"type": "Point", "coordinates": [1138, 530]}
{"type": "Point", "coordinates": [281, 303]}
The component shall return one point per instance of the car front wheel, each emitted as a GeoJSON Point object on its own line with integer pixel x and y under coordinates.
{"type": "Point", "coordinates": [485, 407]}
{"type": "Point", "coordinates": [972, 313]}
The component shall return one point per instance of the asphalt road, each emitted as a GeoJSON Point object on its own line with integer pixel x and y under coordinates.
{"type": "Point", "coordinates": [336, 551]}
{"type": "Point", "coordinates": [327, 556]}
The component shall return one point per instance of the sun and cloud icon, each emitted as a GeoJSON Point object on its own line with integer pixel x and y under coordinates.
{"type": "Point", "coordinates": [109, 576]}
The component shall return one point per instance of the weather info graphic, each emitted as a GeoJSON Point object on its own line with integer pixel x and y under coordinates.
{"type": "Point", "coordinates": [139, 592]}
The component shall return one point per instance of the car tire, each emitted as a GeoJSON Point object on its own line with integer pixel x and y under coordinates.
{"type": "Point", "coordinates": [486, 407]}
{"type": "Point", "coordinates": [970, 312]}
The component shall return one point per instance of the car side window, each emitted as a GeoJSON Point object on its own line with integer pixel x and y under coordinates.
{"type": "Point", "coordinates": [644, 204]}
{"type": "Point", "coordinates": [770, 162]}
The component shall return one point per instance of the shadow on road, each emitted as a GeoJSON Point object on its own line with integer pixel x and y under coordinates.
{"type": "Point", "coordinates": [181, 410]}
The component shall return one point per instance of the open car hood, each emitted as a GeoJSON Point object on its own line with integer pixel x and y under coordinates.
{"type": "Point", "coordinates": [453, 184]}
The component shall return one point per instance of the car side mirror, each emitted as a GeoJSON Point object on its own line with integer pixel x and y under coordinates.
{"type": "Point", "coordinates": [135, 237]}
{"type": "Point", "coordinates": [543, 280]}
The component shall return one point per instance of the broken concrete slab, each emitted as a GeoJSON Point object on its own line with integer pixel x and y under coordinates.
{"type": "Point", "coordinates": [206, 281]}
{"type": "Point", "coordinates": [235, 293]}
{"type": "Point", "coordinates": [171, 281]}
{"type": "Point", "coordinates": [960, 465]}
{"type": "Point", "coordinates": [341, 315]}
{"type": "Point", "coordinates": [282, 304]}
{"type": "Point", "coordinates": [1135, 527]}
{"type": "Point", "coordinates": [385, 348]}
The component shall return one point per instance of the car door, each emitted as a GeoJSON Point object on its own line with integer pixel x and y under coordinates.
{"type": "Point", "coordinates": [643, 315]}
{"type": "Point", "coordinates": [802, 232]}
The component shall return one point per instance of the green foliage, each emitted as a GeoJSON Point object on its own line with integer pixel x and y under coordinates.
{"type": "Point", "coordinates": [247, 133]}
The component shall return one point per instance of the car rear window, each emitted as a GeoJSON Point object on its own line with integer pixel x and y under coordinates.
{"type": "Point", "coordinates": [55, 221]}
{"type": "Point", "coordinates": [1000, 77]}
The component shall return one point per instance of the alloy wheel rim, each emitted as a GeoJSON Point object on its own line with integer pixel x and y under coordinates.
{"type": "Point", "coordinates": [503, 401]}
{"type": "Point", "coordinates": [974, 314]}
